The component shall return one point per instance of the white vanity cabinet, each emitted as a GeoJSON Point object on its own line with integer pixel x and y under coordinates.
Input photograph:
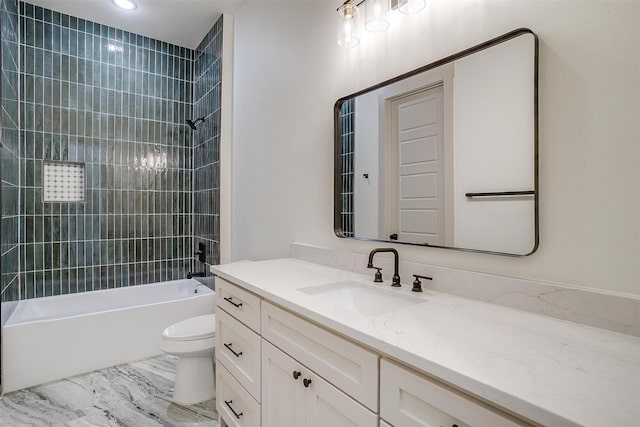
{"type": "Point", "coordinates": [295, 396]}
{"type": "Point", "coordinates": [277, 369]}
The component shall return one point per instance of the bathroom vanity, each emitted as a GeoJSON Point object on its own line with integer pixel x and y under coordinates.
{"type": "Point", "coordinates": [303, 344]}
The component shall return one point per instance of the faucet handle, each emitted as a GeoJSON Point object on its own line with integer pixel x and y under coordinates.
{"type": "Point", "coordinates": [417, 285]}
{"type": "Point", "coordinates": [378, 275]}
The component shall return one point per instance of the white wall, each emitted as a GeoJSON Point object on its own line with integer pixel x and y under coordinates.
{"type": "Point", "coordinates": [226, 141]}
{"type": "Point", "coordinates": [366, 191]}
{"type": "Point", "coordinates": [494, 147]}
{"type": "Point", "coordinates": [289, 72]}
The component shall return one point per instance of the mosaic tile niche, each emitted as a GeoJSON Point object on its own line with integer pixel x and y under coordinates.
{"type": "Point", "coordinates": [115, 102]}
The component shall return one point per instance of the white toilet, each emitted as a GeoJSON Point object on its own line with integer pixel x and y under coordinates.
{"type": "Point", "coordinates": [192, 340]}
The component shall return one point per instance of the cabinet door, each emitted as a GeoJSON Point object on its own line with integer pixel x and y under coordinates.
{"type": "Point", "coordinates": [287, 402]}
{"type": "Point", "coordinates": [328, 406]}
{"type": "Point", "coordinates": [282, 394]}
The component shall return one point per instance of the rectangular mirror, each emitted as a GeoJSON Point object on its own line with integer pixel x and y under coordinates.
{"type": "Point", "coordinates": [445, 155]}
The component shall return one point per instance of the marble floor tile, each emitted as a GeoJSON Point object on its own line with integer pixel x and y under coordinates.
{"type": "Point", "coordinates": [136, 394]}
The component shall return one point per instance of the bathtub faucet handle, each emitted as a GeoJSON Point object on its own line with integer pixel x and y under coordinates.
{"type": "Point", "coordinates": [201, 252]}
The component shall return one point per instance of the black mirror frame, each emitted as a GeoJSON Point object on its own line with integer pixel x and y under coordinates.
{"type": "Point", "coordinates": [337, 220]}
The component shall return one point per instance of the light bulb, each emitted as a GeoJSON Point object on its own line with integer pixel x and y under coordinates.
{"type": "Point", "coordinates": [125, 4]}
{"type": "Point", "coordinates": [348, 11]}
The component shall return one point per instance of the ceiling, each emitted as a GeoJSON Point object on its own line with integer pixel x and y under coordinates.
{"type": "Point", "coordinates": [181, 22]}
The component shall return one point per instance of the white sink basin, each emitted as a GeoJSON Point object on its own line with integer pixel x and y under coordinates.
{"type": "Point", "coordinates": [361, 298]}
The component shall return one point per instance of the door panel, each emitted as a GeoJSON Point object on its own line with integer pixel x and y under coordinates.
{"type": "Point", "coordinates": [419, 150]}
{"type": "Point", "coordinates": [419, 186]}
{"type": "Point", "coordinates": [416, 221]}
{"type": "Point", "coordinates": [417, 112]}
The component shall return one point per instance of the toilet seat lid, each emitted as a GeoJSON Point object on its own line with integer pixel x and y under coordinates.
{"type": "Point", "coordinates": [194, 328]}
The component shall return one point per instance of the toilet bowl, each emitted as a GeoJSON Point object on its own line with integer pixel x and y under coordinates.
{"type": "Point", "coordinates": [192, 341]}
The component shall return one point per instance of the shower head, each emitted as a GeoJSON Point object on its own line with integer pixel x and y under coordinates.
{"type": "Point", "coordinates": [192, 123]}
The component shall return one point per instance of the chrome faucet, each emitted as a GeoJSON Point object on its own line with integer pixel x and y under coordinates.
{"type": "Point", "coordinates": [395, 281]}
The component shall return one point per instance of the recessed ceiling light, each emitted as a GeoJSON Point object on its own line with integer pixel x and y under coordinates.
{"type": "Point", "coordinates": [125, 4]}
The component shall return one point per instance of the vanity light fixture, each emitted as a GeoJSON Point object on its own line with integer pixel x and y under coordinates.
{"type": "Point", "coordinates": [375, 15]}
{"type": "Point", "coordinates": [125, 4]}
{"type": "Point", "coordinates": [348, 25]}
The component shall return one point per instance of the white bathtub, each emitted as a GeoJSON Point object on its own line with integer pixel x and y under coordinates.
{"type": "Point", "coordinates": [51, 338]}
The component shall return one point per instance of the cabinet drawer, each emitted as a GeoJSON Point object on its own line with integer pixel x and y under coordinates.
{"type": "Point", "coordinates": [238, 349]}
{"type": "Point", "coordinates": [346, 365]}
{"type": "Point", "coordinates": [241, 304]}
{"type": "Point", "coordinates": [234, 404]}
{"type": "Point", "coordinates": [410, 399]}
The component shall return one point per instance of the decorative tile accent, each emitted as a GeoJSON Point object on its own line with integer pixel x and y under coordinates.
{"type": "Point", "coordinates": [63, 182]}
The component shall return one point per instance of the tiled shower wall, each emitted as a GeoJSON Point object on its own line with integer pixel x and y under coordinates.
{"type": "Point", "coordinates": [206, 145]}
{"type": "Point", "coordinates": [10, 143]}
{"type": "Point", "coordinates": [117, 102]}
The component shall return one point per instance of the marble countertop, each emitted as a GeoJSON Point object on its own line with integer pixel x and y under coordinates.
{"type": "Point", "coordinates": [553, 372]}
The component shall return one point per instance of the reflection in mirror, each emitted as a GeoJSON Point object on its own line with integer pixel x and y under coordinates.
{"type": "Point", "coordinates": [445, 155]}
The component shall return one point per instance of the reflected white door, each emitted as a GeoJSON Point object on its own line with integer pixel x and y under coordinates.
{"type": "Point", "coordinates": [415, 191]}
